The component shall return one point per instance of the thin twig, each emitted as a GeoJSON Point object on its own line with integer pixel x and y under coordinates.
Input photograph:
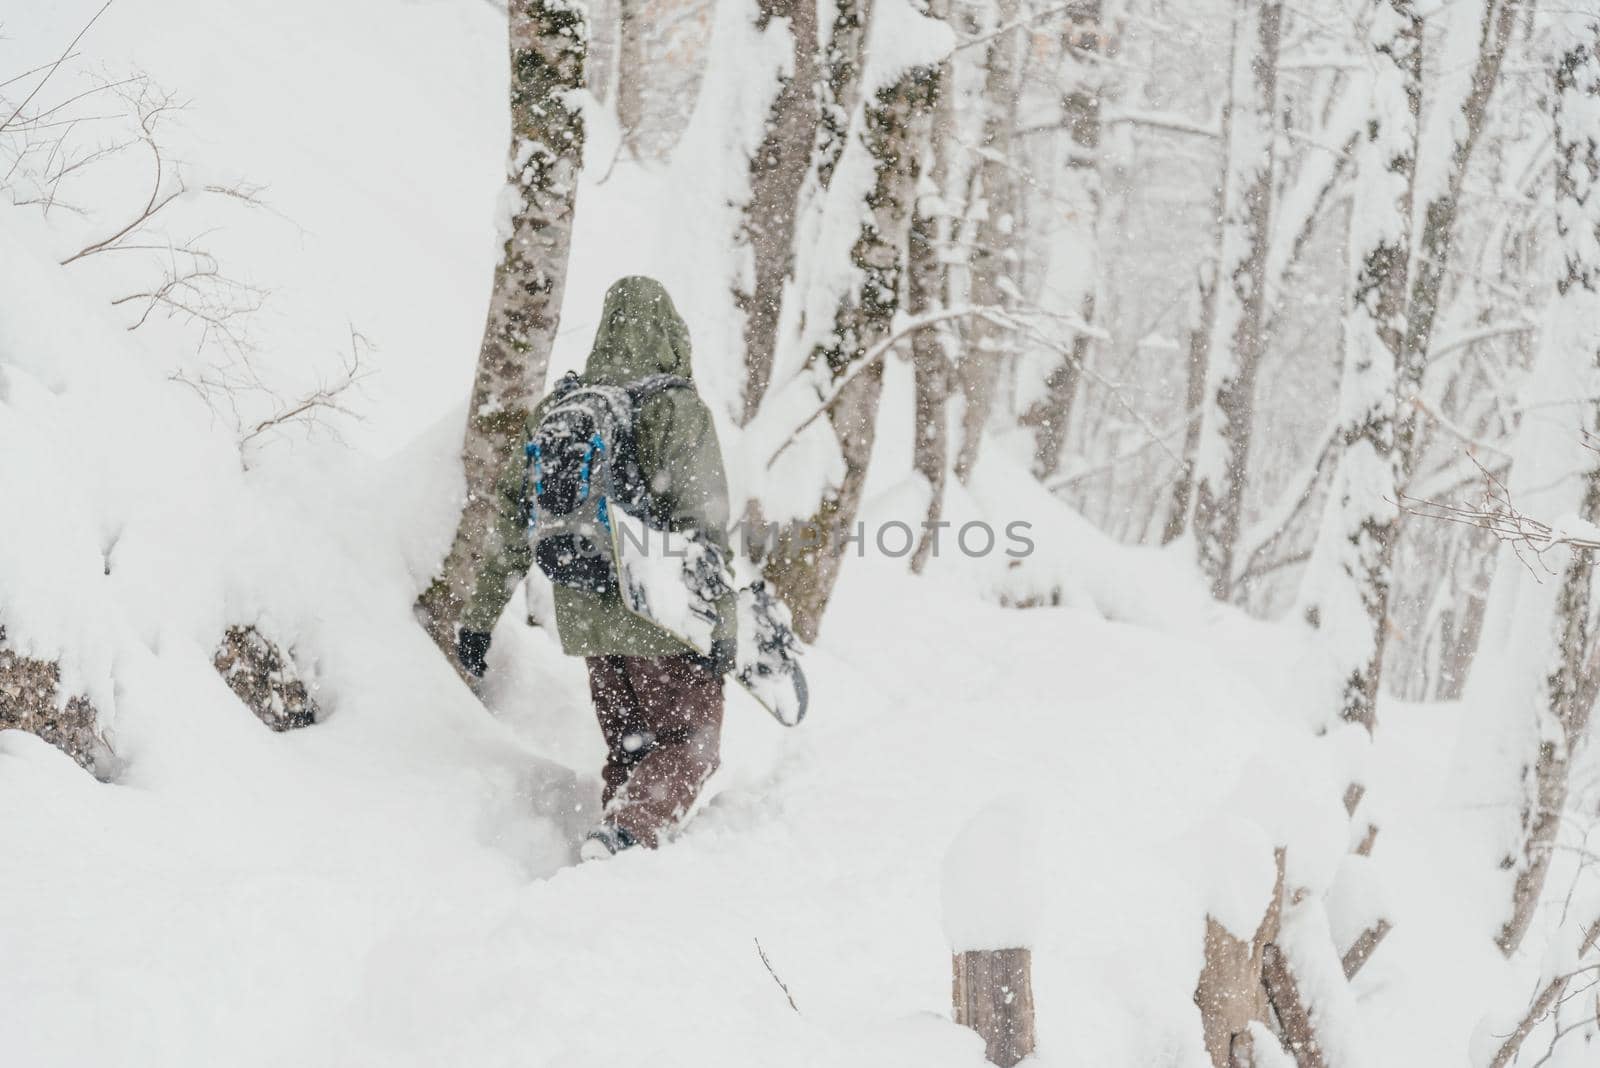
{"type": "Point", "coordinates": [773, 972]}
{"type": "Point", "coordinates": [65, 54]}
{"type": "Point", "coordinates": [871, 356]}
{"type": "Point", "coordinates": [1499, 515]}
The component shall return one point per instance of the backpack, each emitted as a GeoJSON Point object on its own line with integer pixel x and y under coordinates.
{"type": "Point", "coordinates": [582, 458]}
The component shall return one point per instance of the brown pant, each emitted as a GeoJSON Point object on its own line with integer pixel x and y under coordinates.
{"type": "Point", "coordinates": [662, 720]}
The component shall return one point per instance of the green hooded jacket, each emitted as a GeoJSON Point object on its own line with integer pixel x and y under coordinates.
{"type": "Point", "coordinates": [640, 334]}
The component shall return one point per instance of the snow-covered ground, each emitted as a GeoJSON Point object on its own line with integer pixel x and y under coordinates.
{"type": "Point", "coordinates": [397, 885]}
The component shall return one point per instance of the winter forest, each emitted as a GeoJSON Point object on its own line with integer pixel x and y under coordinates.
{"type": "Point", "coordinates": [1157, 444]}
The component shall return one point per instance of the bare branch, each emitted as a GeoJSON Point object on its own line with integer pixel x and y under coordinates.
{"type": "Point", "coordinates": [1544, 1002]}
{"type": "Point", "coordinates": [66, 54]}
{"type": "Point", "coordinates": [773, 972]}
{"type": "Point", "coordinates": [1498, 514]}
{"type": "Point", "coordinates": [328, 397]}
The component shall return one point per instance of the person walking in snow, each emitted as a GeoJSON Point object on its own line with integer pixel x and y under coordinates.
{"type": "Point", "coordinates": [659, 706]}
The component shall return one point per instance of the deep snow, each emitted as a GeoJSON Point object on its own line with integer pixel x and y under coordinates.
{"type": "Point", "coordinates": [396, 885]}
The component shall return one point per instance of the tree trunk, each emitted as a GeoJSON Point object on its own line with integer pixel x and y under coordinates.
{"type": "Point", "coordinates": [992, 263]}
{"type": "Point", "coordinates": [1433, 242]}
{"type": "Point", "coordinates": [927, 290]}
{"type": "Point", "coordinates": [1087, 48]}
{"type": "Point", "coordinates": [1569, 366]}
{"type": "Point", "coordinates": [1346, 591]}
{"type": "Point", "coordinates": [629, 75]}
{"type": "Point", "coordinates": [1293, 1011]}
{"type": "Point", "coordinates": [841, 84]}
{"type": "Point", "coordinates": [1234, 351]}
{"type": "Point", "coordinates": [1202, 318]}
{"type": "Point", "coordinates": [896, 131]}
{"type": "Point", "coordinates": [777, 173]}
{"type": "Point", "coordinates": [1544, 1003]}
{"type": "Point", "coordinates": [1230, 993]}
{"type": "Point", "coordinates": [547, 44]}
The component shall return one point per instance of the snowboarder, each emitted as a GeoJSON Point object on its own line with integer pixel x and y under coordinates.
{"type": "Point", "coordinates": [659, 707]}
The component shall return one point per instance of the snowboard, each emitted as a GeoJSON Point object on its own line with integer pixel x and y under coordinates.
{"type": "Point", "coordinates": [674, 581]}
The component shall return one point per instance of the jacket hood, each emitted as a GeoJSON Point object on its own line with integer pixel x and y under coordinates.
{"type": "Point", "coordinates": [640, 334]}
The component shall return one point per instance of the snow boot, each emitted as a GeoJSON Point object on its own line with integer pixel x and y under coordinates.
{"type": "Point", "coordinates": [605, 840]}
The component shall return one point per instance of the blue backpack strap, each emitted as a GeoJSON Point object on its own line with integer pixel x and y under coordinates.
{"type": "Point", "coordinates": [534, 473]}
{"type": "Point", "coordinates": [597, 444]}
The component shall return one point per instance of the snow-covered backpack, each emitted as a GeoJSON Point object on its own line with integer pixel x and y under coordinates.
{"type": "Point", "coordinates": [582, 457]}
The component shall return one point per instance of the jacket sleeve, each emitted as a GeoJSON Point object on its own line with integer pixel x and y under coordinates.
{"type": "Point", "coordinates": [681, 461]}
{"type": "Point", "coordinates": [506, 556]}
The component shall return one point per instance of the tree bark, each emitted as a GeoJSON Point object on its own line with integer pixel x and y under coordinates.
{"type": "Point", "coordinates": [841, 84]}
{"type": "Point", "coordinates": [1571, 338]}
{"type": "Point", "coordinates": [1291, 1008]}
{"type": "Point", "coordinates": [264, 677]}
{"type": "Point", "coordinates": [1543, 1003]}
{"type": "Point", "coordinates": [1437, 222]}
{"type": "Point", "coordinates": [547, 40]}
{"type": "Point", "coordinates": [927, 290]}
{"type": "Point", "coordinates": [777, 174]}
{"type": "Point", "coordinates": [1202, 319]}
{"type": "Point", "coordinates": [30, 701]}
{"type": "Point", "coordinates": [1234, 350]}
{"type": "Point", "coordinates": [1081, 108]}
{"type": "Point", "coordinates": [1361, 950]}
{"type": "Point", "coordinates": [803, 566]}
{"type": "Point", "coordinates": [1346, 591]}
{"type": "Point", "coordinates": [993, 257]}
{"type": "Point", "coordinates": [629, 75]}
{"type": "Point", "coordinates": [1230, 993]}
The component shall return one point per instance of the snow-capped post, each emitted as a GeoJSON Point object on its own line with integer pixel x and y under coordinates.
{"type": "Point", "coordinates": [989, 910]}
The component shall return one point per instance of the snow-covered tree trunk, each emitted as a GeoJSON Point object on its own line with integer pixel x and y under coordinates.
{"type": "Point", "coordinates": [1230, 994]}
{"type": "Point", "coordinates": [1301, 204]}
{"type": "Point", "coordinates": [895, 128]}
{"type": "Point", "coordinates": [992, 262]}
{"type": "Point", "coordinates": [547, 40]}
{"type": "Point", "coordinates": [840, 87]}
{"type": "Point", "coordinates": [629, 75]}
{"type": "Point", "coordinates": [1083, 106]}
{"type": "Point", "coordinates": [927, 291]}
{"type": "Point", "coordinates": [778, 172]}
{"type": "Point", "coordinates": [932, 368]}
{"type": "Point", "coordinates": [1552, 466]}
{"type": "Point", "coordinates": [1346, 591]}
{"type": "Point", "coordinates": [1202, 315]}
{"type": "Point", "coordinates": [1443, 158]}
{"type": "Point", "coordinates": [1222, 459]}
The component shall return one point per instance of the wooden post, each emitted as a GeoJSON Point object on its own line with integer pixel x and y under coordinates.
{"type": "Point", "coordinates": [993, 995]}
